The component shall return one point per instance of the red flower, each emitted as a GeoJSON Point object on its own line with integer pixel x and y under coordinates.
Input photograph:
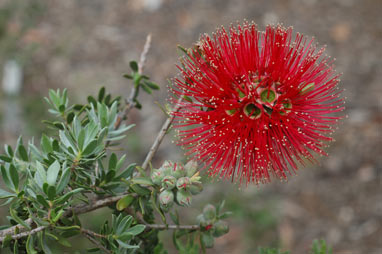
{"type": "Point", "coordinates": [256, 103]}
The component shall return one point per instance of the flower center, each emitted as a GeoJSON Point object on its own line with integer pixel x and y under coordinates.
{"type": "Point", "coordinates": [268, 96]}
{"type": "Point", "coordinates": [252, 111]}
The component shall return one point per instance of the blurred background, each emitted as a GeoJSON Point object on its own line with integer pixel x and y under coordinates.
{"type": "Point", "coordinates": [85, 44]}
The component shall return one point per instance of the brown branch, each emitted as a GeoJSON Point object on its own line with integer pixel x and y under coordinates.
{"type": "Point", "coordinates": [130, 103]}
{"type": "Point", "coordinates": [23, 234]}
{"type": "Point", "coordinates": [158, 140]}
{"type": "Point", "coordinates": [162, 226]}
{"type": "Point", "coordinates": [89, 236]}
{"type": "Point", "coordinates": [92, 233]}
{"type": "Point", "coordinates": [140, 219]}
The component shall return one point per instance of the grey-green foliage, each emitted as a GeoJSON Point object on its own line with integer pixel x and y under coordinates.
{"type": "Point", "coordinates": [42, 182]}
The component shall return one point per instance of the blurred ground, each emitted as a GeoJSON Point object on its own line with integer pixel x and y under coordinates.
{"type": "Point", "coordinates": [82, 45]}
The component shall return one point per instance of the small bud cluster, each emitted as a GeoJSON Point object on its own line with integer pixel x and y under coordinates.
{"type": "Point", "coordinates": [177, 183]}
{"type": "Point", "coordinates": [212, 225]}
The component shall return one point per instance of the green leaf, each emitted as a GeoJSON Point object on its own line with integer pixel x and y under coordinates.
{"type": "Point", "coordinates": [52, 173]}
{"type": "Point", "coordinates": [51, 192]}
{"type": "Point", "coordinates": [46, 144]}
{"type": "Point", "coordinates": [64, 198]}
{"type": "Point", "coordinates": [79, 107]}
{"type": "Point", "coordinates": [146, 88]}
{"type": "Point", "coordinates": [128, 76]}
{"type": "Point", "coordinates": [5, 194]}
{"type": "Point", "coordinates": [70, 117]}
{"type": "Point", "coordinates": [125, 237]}
{"type": "Point", "coordinates": [4, 174]}
{"type": "Point", "coordinates": [61, 108]}
{"type": "Point", "coordinates": [30, 245]}
{"type": "Point", "coordinates": [8, 150]}
{"type": "Point", "coordinates": [151, 85]}
{"type": "Point", "coordinates": [140, 190]}
{"type": "Point", "coordinates": [43, 243]}
{"type": "Point", "coordinates": [124, 202]}
{"type": "Point", "coordinates": [113, 162]}
{"type": "Point", "coordinates": [142, 181]}
{"type": "Point", "coordinates": [59, 125]}
{"type": "Point", "coordinates": [58, 216]}
{"type": "Point", "coordinates": [107, 99]}
{"type": "Point", "coordinates": [81, 139]}
{"type": "Point", "coordinates": [109, 176]}
{"type": "Point", "coordinates": [15, 247]}
{"type": "Point", "coordinates": [22, 152]}
{"type": "Point", "coordinates": [101, 94]}
{"type": "Point", "coordinates": [42, 201]}
{"type": "Point", "coordinates": [127, 172]}
{"type": "Point", "coordinates": [122, 223]}
{"type": "Point", "coordinates": [127, 246]}
{"type": "Point", "coordinates": [136, 230]}
{"type": "Point", "coordinates": [14, 176]}
{"type": "Point", "coordinates": [134, 66]}
{"type": "Point", "coordinates": [41, 171]}
{"type": "Point", "coordinates": [141, 205]}
{"type": "Point", "coordinates": [54, 97]}
{"type": "Point", "coordinates": [120, 162]}
{"type": "Point", "coordinates": [64, 180]}
{"type": "Point", "coordinates": [91, 100]}
{"type": "Point", "coordinates": [5, 158]}
{"type": "Point", "coordinates": [90, 147]}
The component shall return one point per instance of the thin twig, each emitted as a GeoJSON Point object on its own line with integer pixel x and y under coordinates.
{"type": "Point", "coordinates": [140, 219]}
{"type": "Point", "coordinates": [142, 59]}
{"type": "Point", "coordinates": [158, 140]}
{"type": "Point", "coordinates": [92, 233]}
{"type": "Point", "coordinates": [96, 243]}
{"type": "Point", "coordinates": [162, 226]}
{"type": "Point", "coordinates": [130, 103]}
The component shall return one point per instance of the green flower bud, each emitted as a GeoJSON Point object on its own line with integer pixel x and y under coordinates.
{"type": "Point", "coordinates": [195, 188]}
{"type": "Point", "coordinates": [167, 167]}
{"type": "Point", "coordinates": [209, 212]}
{"type": "Point", "coordinates": [207, 240]}
{"type": "Point", "coordinates": [178, 171]}
{"type": "Point", "coordinates": [168, 182]}
{"type": "Point", "coordinates": [166, 199]}
{"type": "Point", "coordinates": [183, 183]}
{"type": "Point", "coordinates": [220, 228]}
{"type": "Point", "coordinates": [183, 198]}
{"type": "Point", "coordinates": [191, 168]}
{"type": "Point", "coordinates": [157, 177]}
{"type": "Point", "coordinates": [201, 220]}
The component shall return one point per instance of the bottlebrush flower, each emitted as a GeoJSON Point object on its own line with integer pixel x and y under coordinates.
{"type": "Point", "coordinates": [256, 103]}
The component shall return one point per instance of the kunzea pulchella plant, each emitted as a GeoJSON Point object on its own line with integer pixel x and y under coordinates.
{"type": "Point", "coordinates": [74, 171]}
